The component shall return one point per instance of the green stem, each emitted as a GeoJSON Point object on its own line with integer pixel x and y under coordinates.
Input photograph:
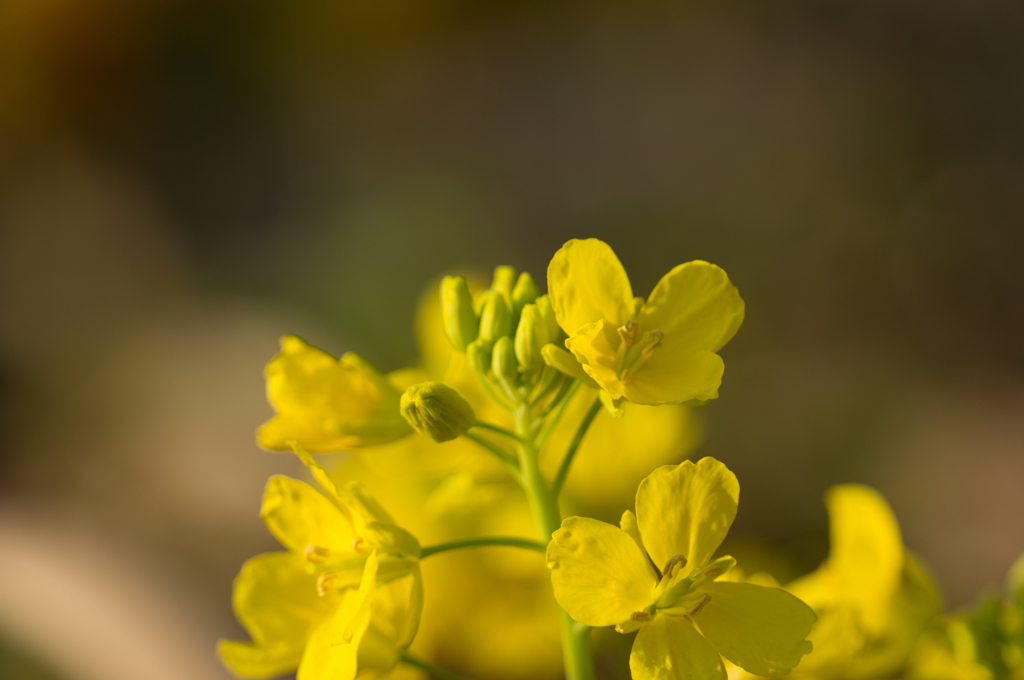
{"type": "Point", "coordinates": [565, 392]}
{"type": "Point", "coordinates": [577, 657]}
{"type": "Point", "coordinates": [510, 463]}
{"type": "Point", "coordinates": [511, 541]}
{"type": "Point", "coordinates": [431, 669]}
{"type": "Point", "coordinates": [549, 424]}
{"type": "Point", "coordinates": [483, 425]}
{"type": "Point", "coordinates": [489, 388]}
{"type": "Point", "coordinates": [570, 453]}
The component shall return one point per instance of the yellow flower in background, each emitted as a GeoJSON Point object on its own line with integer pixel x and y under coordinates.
{"type": "Point", "coordinates": [488, 612]}
{"type": "Point", "coordinates": [686, 619]}
{"type": "Point", "coordinates": [873, 599]}
{"type": "Point", "coordinates": [328, 404]}
{"type": "Point", "coordinates": [658, 351]}
{"type": "Point", "coordinates": [983, 644]}
{"type": "Point", "coordinates": [347, 593]}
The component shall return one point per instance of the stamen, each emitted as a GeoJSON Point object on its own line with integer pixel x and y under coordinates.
{"type": "Point", "coordinates": [357, 545]}
{"type": "Point", "coordinates": [636, 357]}
{"type": "Point", "coordinates": [713, 573]}
{"type": "Point", "coordinates": [676, 560]}
{"type": "Point", "coordinates": [317, 554]}
{"type": "Point", "coordinates": [628, 332]}
{"type": "Point", "coordinates": [653, 345]}
{"type": "Point", "coordinates": [640, 616]}
{"type": "Point", "coordinates": [695, 609]}
{"type": "Point", "coordinates": [325, 582]}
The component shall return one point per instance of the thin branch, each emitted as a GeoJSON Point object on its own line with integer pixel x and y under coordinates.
{"type": "Point", "coordinates": [431, 669]}
{"type": "Point", "coordinates": [511, 463]}
{"type": "Point", "coordinates": [510, 541]}
{"type": "Point", "coordinates": [570, 453]}
{"type": "Point", "coordinates": [495, 428]}
{"type": "Point", "coordinates": [565, 395]}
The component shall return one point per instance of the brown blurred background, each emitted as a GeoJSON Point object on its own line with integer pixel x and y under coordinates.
{"type": "Point", "coordinates": [182, 182]}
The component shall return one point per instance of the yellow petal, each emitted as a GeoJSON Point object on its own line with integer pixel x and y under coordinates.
{"type": "Point", "coordinates": [762, 630]}
{"type": "Point", "coordinates": [565, 362]}
{"type": "Point", "coordinates": [698, 310]}
{"type": "Point", "coordinates": [333, 648]}
{"type": "Point", "coordinates": [396, 612]}
{"type": "Point", "coordinates": [628, 524]}
{"type": "Point", "coordinates": [866, 553]}
{"type": "Point", "coordinates": [686, 510]}
{"type": "Point", "coordinates": [276, 600]}
{"type": "Point", "coordinates": [299, 516]}
{"type": "Point", "coordinates": [598, 573]}
{"type": "Point", "coordinates": [669, 648]}
{"type": "Point", "coordinates": [695, 305]}
{"type": "Point", "coordinates": [586, 283]}
{"type": "Point", "coordinates": [676, 375]}
{"type": "Point", "coordinates": [590, 346]}
{"type": "Point", "coordinates": [256, 661]}
{"type": "Point", "coordinates": [328, 404]}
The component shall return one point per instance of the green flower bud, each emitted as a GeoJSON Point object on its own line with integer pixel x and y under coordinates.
{"type": "Point", "coordinates": [504, 280]}
{"type": "Point", "coordinates": [495, 318]}
{"type": "Point", "coordinates": [504, 362]}
{"type": "Point", "coordinates": [531, 336]}
{"type": "Point", "coordinates": [437, 411]}
{"type": "Point", "coordinates": [460, 321]}
{"type": "Point", "coordinates": [479, 354]}
{"type": "Point", "coordinates": [525, 292]}
{"type": "Point", "coordinates": [548, 314]}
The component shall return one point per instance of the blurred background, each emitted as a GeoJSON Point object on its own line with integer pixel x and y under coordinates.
{"type": "Point", "coordinates": [183, 182]}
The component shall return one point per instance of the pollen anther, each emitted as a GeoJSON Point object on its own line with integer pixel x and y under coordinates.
{"type": "Point", "coordinates": [640, 616]}
{"type": "Point", "coordinates": [673, 562]}
{"type": "Point", "coordinates": [317, 554]}
{"type": "Point", "coordinates": [628, 332]}
{"type": "Point", "coordinates": [713, 573]}
{"type": "Point", "coordinates": [325, 583]}
{"type": "Point", "coordinates": [653, 345]}
{"type": "Point", "coordinates": [695, 609]}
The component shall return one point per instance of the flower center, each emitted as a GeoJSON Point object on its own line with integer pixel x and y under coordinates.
{"type": "Point", "coordinates": [635, 349]}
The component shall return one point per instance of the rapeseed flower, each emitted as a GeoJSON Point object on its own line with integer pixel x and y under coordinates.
{"type": "Point", "coordinates": [346, 594]}
{"type": "Point", "coordinates": [328, 404]}
{"type": "Point", "coordinates": [872, 597]}
{"type": "Point", "coordinates": [686, 619]}
{"type": "Point", "coordinates": [656, 351]}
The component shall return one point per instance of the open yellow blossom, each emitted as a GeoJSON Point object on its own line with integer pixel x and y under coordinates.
{"type": "Point", "coordinates": [328, 404]}
{"type": "Point", "coordinates": [872, 597]}
{"type": "Point", "coordinates": [347, 593]}
{"type": "Point", "coordinates": [687, 620]}
{"type": "Point", "coordinates": [658, 351]}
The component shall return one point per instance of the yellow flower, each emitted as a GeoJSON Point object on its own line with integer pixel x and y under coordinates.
{"type": "Point", "coordinates": [687, 620]}
{"type": "Point", "coordinates": [873, 599]}
{"type": "Point", "coordinates": [658, 351]}
{"type": "Point", "coordinates": [347, 593]}
{"type": "Point", "coordinates": [328, 404]}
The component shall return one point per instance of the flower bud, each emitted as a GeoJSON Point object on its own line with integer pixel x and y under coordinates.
{"type": "Point", "coordinates": [460, 321]}
{"type": "Point", "coordinates": [525, 292]}
{"type": "Point", "coordinates": [504, 281]}
{"type": "Point", "coordinates": [495, 318]}
{"type": "Point", "coordinates": [548, 314]}
{"type": "Point", "coordinates": [479, 354]}
{"type": "Point", "coordinates": [531, 336]}
{"type": "Point", "coordinates": [504, 362]}
{"type": "Point", "coordinates": [437, 411]}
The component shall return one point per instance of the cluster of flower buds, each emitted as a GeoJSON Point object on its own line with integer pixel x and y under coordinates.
{"type": "Point", "coordinates": [503, 330]}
